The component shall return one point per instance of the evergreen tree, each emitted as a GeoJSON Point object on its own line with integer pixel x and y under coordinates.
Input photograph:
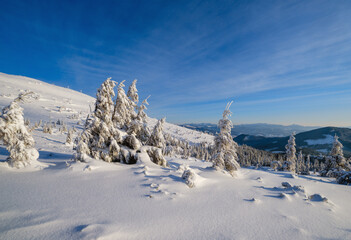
{"type": "Point", "coordinates": [306, 170]}
{"type": "Point", "coordinates": [104, 103]}
{"type": "Point", "coordinates": [124, 109]}
{"type": "Point", "coordinates": [335, 164]}
{"type": "Point", "coordinates": [99, 129]}
{"type": "Point", "coordinates": [82, 148]}
{"type": "Point", "coordinates": [316, 165]}
{"type": "Point", "coordinates": [225, 156]}
{"type": "Point", "coordinates": [337, 147]}
{"type": "Point", "coordinates": [290, 164]}
{"type": "Point", "coordinates": [15, 135]}
{"type": "Point", "coordinates": [133, 93]}
{"type": "Point", "coordinates": [69, 139]}
{"type": "Point", "coordinates": [300, 163]}
{"type": "Point", "coordinates": [138, 125]}
{"type": "Point", "coordinates": [157, 139]}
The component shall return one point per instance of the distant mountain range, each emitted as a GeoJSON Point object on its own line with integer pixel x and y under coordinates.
{"type": "Point", "coordinates": [315, 141]}
{"type": "Point", "coordinates": [258, 129]}
{"type": "Point", "coordinates": [273, 138]}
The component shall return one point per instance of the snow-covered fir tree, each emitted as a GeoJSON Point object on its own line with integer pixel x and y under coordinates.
{"type": "Point", "coordinates": [335, 164]}
{"type": "Point", "coordinates": [138, 125]}
{"type": "Point", "coordinates": [337, 148]}
{"type": "Point", "coordinates": [69, 139]}
{"type": "Point", "coordinates": [307, 166]}
{"type": "Point", "coordinates": [15, 135]}
{"type": "Point", "coordinates": [99, 128]}
{"type": "Point", "coordinates": [290, 164]}
{"type": "Point", "coordinates": [82, 148]}
{"type": "Point", "coordinates": [47, 128]}
{"type": "Point", "coordinates": [300, 163]}
{"type": "Point", "coordinates": [104, 102]}
{"type": "Point", "coordinates": [225, 156]}
{"type": "Point", "coordinates": [316, 166]}
{"type": "Point", "coordinates": [157, 139]}
{"type": "Point", "coordinates": [124, 109]}
{"type": "Point", "coordinates": [133, 93]}
{"type": "Point", "coordinates": [118, 136]}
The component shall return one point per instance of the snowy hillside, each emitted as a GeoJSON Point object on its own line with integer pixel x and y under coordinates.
{"type": "Point", "coordinates": [64, 199]}
{"type": "Point", "coordinates": [58, 103]}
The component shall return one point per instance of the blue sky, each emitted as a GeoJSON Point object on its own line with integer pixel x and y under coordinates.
{"type": "Point", "coordinates": [280, 61]}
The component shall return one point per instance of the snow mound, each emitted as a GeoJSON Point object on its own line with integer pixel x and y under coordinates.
{"type": "Point", "coordinates": [286, 185]}
{"type": "Point", "coordinates": [34, 165]}
{"type": "Point", "coordinates": [317, 198]}
{"type": "Point", "coordinates": [190, 177]}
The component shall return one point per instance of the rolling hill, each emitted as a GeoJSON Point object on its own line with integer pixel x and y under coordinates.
{"type": "Point", "coordinates": [315, 141]}
{"type": "Point", "coordinates": [258, 129]}
{"type": "Point", "coordinates": [67, 199]}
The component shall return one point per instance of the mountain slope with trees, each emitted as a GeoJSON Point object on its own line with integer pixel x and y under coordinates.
{"type": "Point", "coordinates": [315, 141]}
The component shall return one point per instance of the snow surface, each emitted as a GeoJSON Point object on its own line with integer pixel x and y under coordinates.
{"type": "Point", "coordinates": [329, 139]}
{"type": "Point", "coordinates": [63, 199]}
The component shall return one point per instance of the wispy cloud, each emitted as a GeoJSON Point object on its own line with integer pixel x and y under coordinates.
{"type": "Point", "coordinates": [196, 54]}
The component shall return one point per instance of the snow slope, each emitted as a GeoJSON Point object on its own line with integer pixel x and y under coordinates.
{"type": "Point", "coordinates": [329, 139]}
{"type": "Point", "coordinates": [98, 200]}
{"type": "Point", "coordinates": [58, 103]}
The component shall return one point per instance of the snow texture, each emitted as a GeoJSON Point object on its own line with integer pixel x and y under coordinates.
{"type": "Point", "coordinates": [100, 200]}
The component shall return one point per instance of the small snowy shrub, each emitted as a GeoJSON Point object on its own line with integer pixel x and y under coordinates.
{"type": "Point", "coordinates": [190, 177]}
{"type": "Point", "coordinates": [345, 179]}
{"type": "Point", "coordinates": [47, 128]}
{"type": "Point", "coordinates": [275, 165]}
{"type": "Point", "coordinates": [69, 139]}
{"type": "Point", "coordinates": [132, 142]}
{"type": "Point", "coordinates": [156, 156]}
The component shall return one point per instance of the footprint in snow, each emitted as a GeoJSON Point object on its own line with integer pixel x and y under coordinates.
{"type": "Point", "coordinates": [253, 200]}
{"type": "Point", "coordinates": [154, 185]}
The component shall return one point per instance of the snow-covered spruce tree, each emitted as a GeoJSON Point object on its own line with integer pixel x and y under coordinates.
{"type": "Point", "coordinates": [104, 102]}
{"type": "Point", "coordinates": [335, 164]}
{"type": "Point", "coordinates": [47, 128]}
{"type": "Point", "coordinates": [315, 165]}
{"type": "Point", "coordinates": [157, 139]}
{"type": "Point", "coordinates": [69, 139]}
{"type": "Point", "coordinates": [138, 125]}
{"type": "Point", "coordinates": [133, 93]}
{"type": "Point", "coordinates": [124, 110]}
{"type": "Point", "coordinates": [225, 156]}
{"type": "Point", "coordinates": [290, 163]}
{"type": "Point", "coordinates": [99, 129]}
{"type": "Point", "coordinates": [300, 163]}
{"type": "Point", "coordinates": [306, 170]}
{"type": "Point", "coordinates": [82, 148]}
{"type": "Point", "coordinates": [15, 135]}
{"type": "Point", "coordinates": [158, 142]}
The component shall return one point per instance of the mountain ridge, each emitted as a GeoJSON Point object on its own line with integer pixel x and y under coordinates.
{"type": "Point", "coordinates": [314, 141]}
{"type": "Point", "coordinates": [257, 129]}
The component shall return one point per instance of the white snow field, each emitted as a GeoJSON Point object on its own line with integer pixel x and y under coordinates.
{"type": "Point", "coordinates": [63, 199]}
